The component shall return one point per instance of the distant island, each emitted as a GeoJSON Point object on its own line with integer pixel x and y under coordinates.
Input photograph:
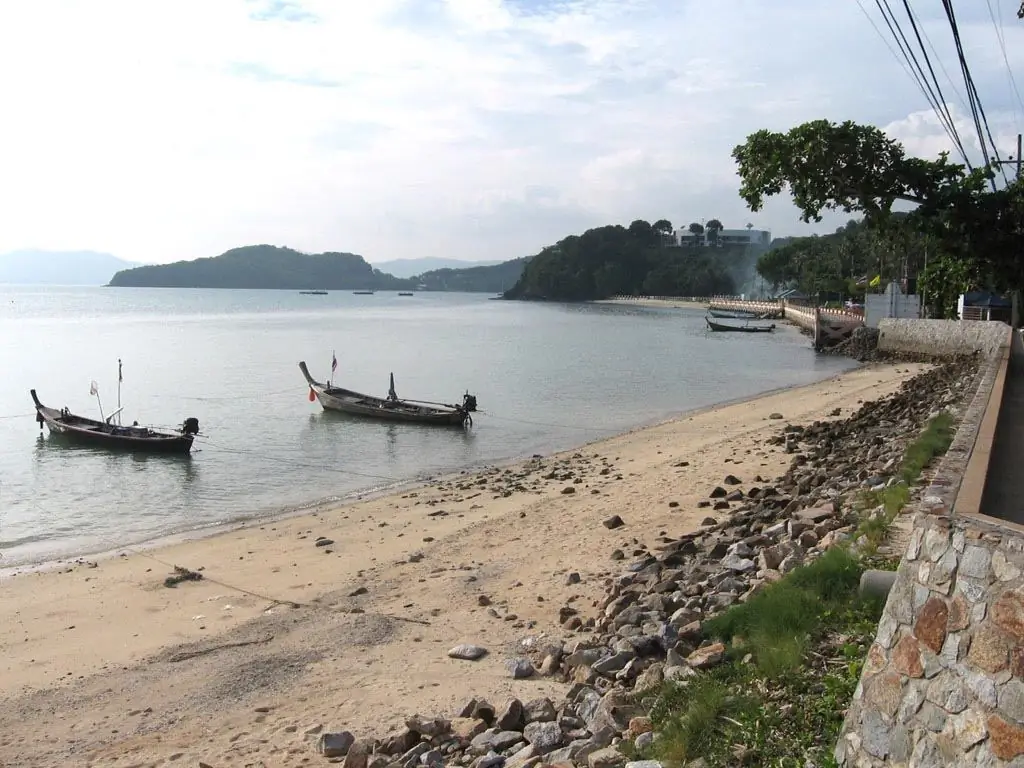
{"type": "Point", "coordinates": [40, 267]}
{"type": "Point", "coordinates": [415, 267]}
{"type": "Point", "coordinates": [641, 259]}
{"type": "Point", "coordinates": [274, 267]}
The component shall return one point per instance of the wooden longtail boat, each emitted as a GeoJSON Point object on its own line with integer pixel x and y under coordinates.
{"type": "Point", "coordinates": [103, 434]}
{"type": "Point", "coordinates": [736, 315]}
{"type": "Point", "coordinates": [739, 328]}
{"type": "Point", "coordinates": [390, 408]}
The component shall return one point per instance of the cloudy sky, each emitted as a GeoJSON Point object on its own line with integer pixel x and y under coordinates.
{"type": "Point", "coordinates": [469, 129]}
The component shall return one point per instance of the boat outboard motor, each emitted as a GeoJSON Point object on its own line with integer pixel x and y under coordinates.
{"type": "Point", "coordinates": [191, 426]}
{"type": "Point", "coordinates": [469, 402]}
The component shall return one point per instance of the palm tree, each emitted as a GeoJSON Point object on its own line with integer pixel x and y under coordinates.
{"type": "Point", "coordinates": [713, 227]}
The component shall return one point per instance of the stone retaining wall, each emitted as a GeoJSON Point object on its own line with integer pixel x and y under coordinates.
{"type": "Point", "coordinates": [943, 683]}
{"type": "Point", "coordinates": [941, 337]}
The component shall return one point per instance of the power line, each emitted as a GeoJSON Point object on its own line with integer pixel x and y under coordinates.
{"type": "Point", "coordinates": [1002, 47]}
{"type": "Point", "coordinates": [938, 88]}
{"type": "Point", "coordinates": [972, 94]}
{"type": "Point", "coordinates": [913, 68]}
{"type": "Point", "coordinates": [942, 66]}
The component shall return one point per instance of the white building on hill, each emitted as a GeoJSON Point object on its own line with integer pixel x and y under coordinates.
{"type": "Point", "coordinates": [726, 237]}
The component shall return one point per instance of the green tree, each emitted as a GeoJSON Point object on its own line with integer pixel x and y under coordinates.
{"type": "Point", "coordinates": [972, 236]}
{"type": "Point", "coordinates": [664, 226]}
{"type": "Point", "coordinates": [696, 228]}
{"type": "Point", "coordinates": [712, 228]}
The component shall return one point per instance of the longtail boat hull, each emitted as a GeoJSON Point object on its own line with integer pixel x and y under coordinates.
{"type": "Point", "coordinates": [739, 328]}
{"type": "Point", "coordinates": [100, 434]}
{"type": "Point", "coordinates": [348, 401]}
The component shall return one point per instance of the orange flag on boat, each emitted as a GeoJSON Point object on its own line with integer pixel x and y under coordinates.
{"type": "Point", "coordinates": [312, 395]}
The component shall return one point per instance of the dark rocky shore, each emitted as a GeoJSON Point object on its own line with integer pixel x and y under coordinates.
{"type": "Point", "coordinates": [648, 629]}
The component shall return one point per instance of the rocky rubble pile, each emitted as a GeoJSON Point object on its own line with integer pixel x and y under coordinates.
{"type": "Point", "coordinates": [862, 345]}
{"type": "Point", "coordinates": [648, 629]}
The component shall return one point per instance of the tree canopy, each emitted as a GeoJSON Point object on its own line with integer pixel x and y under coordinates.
{"type": "Point", "coordinates": [633, 260]}
{"type": "Point", "coordinates": [976, 234]}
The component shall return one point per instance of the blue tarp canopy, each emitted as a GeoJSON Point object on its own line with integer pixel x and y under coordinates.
{"type": "Point", "coordinates": [986, 299]}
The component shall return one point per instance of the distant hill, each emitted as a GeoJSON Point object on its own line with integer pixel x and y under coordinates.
{"type": "Point", "coordinates": [495, 278]}
{"type": "Point", "coordinates": [637, 260]}
{"type": "Point", "coordinates": [413, 267]}
{"type": "Point", "coordinates": [265, 266]}
{"type": "Point", "coordinates": [39, 267]}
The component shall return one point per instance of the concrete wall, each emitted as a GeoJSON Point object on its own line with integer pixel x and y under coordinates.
{"type": "Point", "coordinates": [890, 304]}
{"type": "Point", "coordinates": [941, 337]}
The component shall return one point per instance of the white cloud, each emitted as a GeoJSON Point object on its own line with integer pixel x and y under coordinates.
{"type": "Point", "coordinates": [399, 128]}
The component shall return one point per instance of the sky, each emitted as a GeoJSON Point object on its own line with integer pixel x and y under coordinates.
{"type": "Point", "coordinates": [468, 129]}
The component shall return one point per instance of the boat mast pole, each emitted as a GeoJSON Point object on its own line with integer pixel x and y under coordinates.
{"type": "Point", "coordinates": [119, 390]}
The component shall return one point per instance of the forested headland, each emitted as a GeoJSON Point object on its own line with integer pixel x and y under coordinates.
{"type": "Point", "coordinates": [641, 259]}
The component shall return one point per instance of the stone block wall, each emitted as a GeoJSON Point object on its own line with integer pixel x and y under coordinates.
{"type": "Point", "coordinates": [943, 683]}
{"type": "Point", "coordinates": [941, 337]}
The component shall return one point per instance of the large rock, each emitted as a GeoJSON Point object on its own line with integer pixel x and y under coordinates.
{"type": "Point", "coordinates": [543, 736]}
{"type": "Point", "coordinates": [467, 652]}
{"type": "Point", "coordinates": [335, 744]}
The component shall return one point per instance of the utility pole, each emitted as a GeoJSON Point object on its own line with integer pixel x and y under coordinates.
{"type": "Point", "coordinates": [1013, 160]}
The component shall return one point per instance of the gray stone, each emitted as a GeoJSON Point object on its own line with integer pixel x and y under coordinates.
{"type": "Point", "coordinates": [959, 541]}
{"type": "Point", "coordinates": [925, 754]}
{"type": "Point", "coordinates": [643, 764]}
{"type": "Point", "coordinates": [1003, 568]}
{"type": "Point", "coordinates": [613, 663]}
{"type": "Point", "coordinates": [968, 728]}
{"type": "Point", "coordinates": [519, 668]}
{"type": "Point", "coordinates": [1011, 700]}
{"type": "Point", "coordinates": [947, 691]}
{"type": "Point", "coordinates": [432, 759]}
{"type": "Point", "coordinates": [526, 755]}
{"type": "Point", "coordinates": [563, 755]}
{"type": "Point", "coordinates": [936, 542]}
{"type": "Point", "coordinates": [875, 734]}
{"type": "Point", "coordinates": [738, 564]}
{"type": "Point", "coordinates": [912, 700]}
{"type": "Point", "coordinates": [543, 736]}
{"type": "Point", "coordinates": [886, 631]}
{"type": "Point", "coordinates": [494, 740]}
{"type": "Point", "coordinates": [950, 653]}
{"type": "Point", "coordinates": [914, 545]}
{"type": "Point", "coordinates": [900, 744]}
{"type": "Point", "coordinates": [511, 716]}
{"type": "Point", "coordinates": [973, 591]}
{"type": "Point", "coordinates": [539, 711]}
{"type": "Point", "coordinates": [980, 686]}
{"type": "Point", "coordinates": [430, 727]}
{"type": "Point", "coordinates": [335, 744]}
{"type": "Point", "coordinates": [644, 741]}
{"type": "Point", "coordinates": [490, 761]}
{"type": "Point", "coordinates": [932, 717]}
{"type": "Point", "coordinates": [467, 652]}
{"type": "Point", "coordinates": [609, 757]}
{"type": "Point", "coordinates": [976, 562]}
{"type": "Point", "coordinates": [942, 572]}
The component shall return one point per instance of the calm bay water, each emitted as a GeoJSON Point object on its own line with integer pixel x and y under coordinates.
{"type": "Point", "coordinates": [547, 377]}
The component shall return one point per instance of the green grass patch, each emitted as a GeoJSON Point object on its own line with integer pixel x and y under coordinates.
{"type": "Point", "coordinates": [805, 636]}
{"type": "Point", "coordinates": [933, 442]}
{"type": "Point", "coordinates": [775, 624]}
{"type": "Point", "coordinates": [795, 650]}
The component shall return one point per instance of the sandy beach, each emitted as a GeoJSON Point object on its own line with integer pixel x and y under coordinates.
{"type": "Point", "coordinates": [103, 665]}
{"type": "Point", "coordinates": [671, 303]}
